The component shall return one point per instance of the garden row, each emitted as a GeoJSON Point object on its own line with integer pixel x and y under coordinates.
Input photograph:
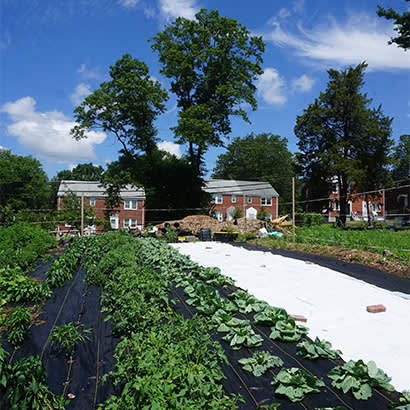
{"type": "Point", "coordinates": [170, 360]}
{"type": "Point", "coordinates": [200, 284]}
{"type": "Point", "coordinates": [23, 382]}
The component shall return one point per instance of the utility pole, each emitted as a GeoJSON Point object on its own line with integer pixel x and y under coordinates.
{"type": "Point", "coordinates": [82, 213]}
{"type": "Point", "coordinates": [293, 209]}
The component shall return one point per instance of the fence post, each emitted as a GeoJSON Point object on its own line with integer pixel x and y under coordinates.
{"type": "Point", "coordinates": [82, 213]}
{"type": "Point", "coordinates": [293, 209]}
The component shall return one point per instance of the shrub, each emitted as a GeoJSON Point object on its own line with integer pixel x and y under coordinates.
{"type": "Point", "coordinates": [308, 219]}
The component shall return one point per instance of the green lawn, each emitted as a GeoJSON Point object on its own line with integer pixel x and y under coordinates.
{"type": "Point", "coordinates": [375, 240]}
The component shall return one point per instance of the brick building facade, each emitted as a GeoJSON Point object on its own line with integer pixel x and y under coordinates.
{"type": "Point", "coordinates": [246, 196]}
{"type": "Point", "coordinates": [129, 215]}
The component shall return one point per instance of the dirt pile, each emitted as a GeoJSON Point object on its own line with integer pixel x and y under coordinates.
{"type": "Point", "coordinates": [194, 223]}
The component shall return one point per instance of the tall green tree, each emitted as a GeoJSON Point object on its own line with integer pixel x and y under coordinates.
{"type": "Point", "coordinates": [401, 25]}
{"type": "Point", "coordinates": [23, 182]}
{"type": "Point", "coordinates": [165, 179]}
{"type": "Point", "coordinates": [341, 137]}
{"type": "Point", "coordinates": [262, 156]}
{"type": "Point", "coordinates": [125, 106]}
{"type": "Point", "coordinates": [82, 172]}
{"type": "Point", "coordinates": [401, 159]}
{"type": "Point", "coordinates": [212, 62]}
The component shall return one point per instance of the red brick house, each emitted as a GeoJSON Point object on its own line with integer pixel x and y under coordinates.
{"type": "Point", "coordinates": [130, 214]}
{"type": "Point", "coordinates": [247, 196]}
{"type": "Point", "coordinates": [398, 201]}
{"type": "Point", "coordinates": [356, 208]}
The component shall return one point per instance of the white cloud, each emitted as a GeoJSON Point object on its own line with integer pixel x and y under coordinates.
{"type": "Point", "coordinates": [360, 38]}
{"type": "Point", "coordinates": [303, 83]}
{"type": "Point", "coordinates": [171, 9]}
{"type": "Point", "coordinates": [170, 147]}
{"type": "Point", "coordinates": [81, 91]}
{"type": "Point", "coordinates": [90, 73]}
{"type": "Point", "coordinates": [128, 3]}
{"type": "Point", "coordinates": [272, 87]}
{"type": "Point", "coordinates": [47, 134]}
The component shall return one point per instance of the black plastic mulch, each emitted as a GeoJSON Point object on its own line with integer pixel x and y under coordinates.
{"type": "Point", "coordinates": [257, 391]}
{"type": "Point", "coordinates": [367, 274]}
{"type": "Point", "coordinates": [92, 359]}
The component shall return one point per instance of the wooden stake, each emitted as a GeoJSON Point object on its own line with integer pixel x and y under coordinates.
{"type": "Point", "coordinates": [82, 214]}
{"type": "Point", "coordinates": [293, 209]}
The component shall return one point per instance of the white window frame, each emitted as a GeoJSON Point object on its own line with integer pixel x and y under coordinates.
{"type": "Point", "coordinates": [218, 199]}
{"type": "Point", "coordinates": [219, 216]}
{"type": "Point", "coordinates": [130, 223]}
{"type": "Point", "coordinates": [233, 199]}
{"type": "Point", "coordinates": [266, 201]}
{"type": "Point", "coordinates": [335, 187]}
{"type": "Point", "coordinates": [249, 199]}
{"type": "Point", "coordinates": [130, 203]}
{"type": "Point", "coordinates": [92, 202]}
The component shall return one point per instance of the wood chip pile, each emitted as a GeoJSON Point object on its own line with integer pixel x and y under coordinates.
{"type": "Point", "coordinates": [194, 223]}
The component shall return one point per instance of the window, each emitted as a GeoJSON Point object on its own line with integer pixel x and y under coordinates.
{"type": "Point", "coordinates": [249, 199]}
{"type": "Point", "coordinates": [377, 207]}
{"type": "Point", "coordinates": [233, 199]}
{"type": "Point", "coordinates": [218, 198]}
{"type": "Point", "coordinates": [335, 205]}
{"type": "Point", "coordinates": [130, 204]}
{"type": "Point", "coordinates": [218, 216]}
{"type": "Point", "coordinates": [130, 223]}
{"type": "Point", "coordinates": [92, 201]}
{"type": "Point", "coordinates": [334, 188]}
{"type": "Point", "coordinates": [266, 201]}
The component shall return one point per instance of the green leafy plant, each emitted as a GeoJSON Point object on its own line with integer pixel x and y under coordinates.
{"type": "Point", "coordinates": [320, 348]}
{"type": "Point", "coordinates": [213, 276]}
{"type": "Point", "coordinates": [247, 303]}
{"type": "Point", "coordinates": [260, 362]}
{"type": "Point", "coordinates": [295, 383]}
{"type": "Point", "coordinates": [359, 378]}
{"type": "Point", "coordinates": [27, 384]}
{"type": "Point", "coordinates": [17, 322]}
{"type": "Point", "coordinates": [15, 287]}
{"type": "Point", "coordinates": [270, 316]}
{"type": "Point", "coordinates": [68, 336]}
{"type": "Point", "coordinates": [171, 236]}
{"type": "Point", "coordinates": [288, 331]}
{"type": "Point", "coordinates": [242, 335]}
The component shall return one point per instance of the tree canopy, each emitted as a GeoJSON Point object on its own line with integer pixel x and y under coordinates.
{"type": "Point", "coordinates": [341, 137]}
{"type": "Point", "coordinates": [262, 156]}
{"type": "Point", "coordinates": [212, 62]}
{"type": "Point", "coordinates": [81, 172]}
{"type": "Point", "coordinates": [23, 182]}
{"type": "Point", "coordinates": [401, 159]}
{"type": "Point", "coordinates": [125, 106]}
{"type": "Point", "coordinates": [401, 25]}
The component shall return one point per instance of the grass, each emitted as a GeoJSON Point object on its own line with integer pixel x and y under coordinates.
{"type": "Point", "coordinates": [315, 238]}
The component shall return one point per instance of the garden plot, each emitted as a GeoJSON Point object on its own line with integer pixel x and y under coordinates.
{"type": "Point", "coordinates": [334, 303]}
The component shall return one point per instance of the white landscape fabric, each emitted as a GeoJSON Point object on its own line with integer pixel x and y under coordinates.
{"type": "Point", "coordinates": [333, 303]}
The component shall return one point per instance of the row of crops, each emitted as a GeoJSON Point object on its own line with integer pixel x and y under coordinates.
{"type": "Point", "coordinates": [183, 331]}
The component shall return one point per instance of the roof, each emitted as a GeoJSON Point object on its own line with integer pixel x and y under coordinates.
{"type": "Point", "coordinates": [236, 187]}
{"type": "Point", "coordinates": [96, 190]}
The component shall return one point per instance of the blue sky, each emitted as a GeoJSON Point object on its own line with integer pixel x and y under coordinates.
{"type": "Point", "coordinates": [55, 52]}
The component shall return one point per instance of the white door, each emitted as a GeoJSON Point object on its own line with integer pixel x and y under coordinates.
{"type": "Point", "coordinates": [114, 221]}
{"type": "Point", "coordinates": [251, 213]}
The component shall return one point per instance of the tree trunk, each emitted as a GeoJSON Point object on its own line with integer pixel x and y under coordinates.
{"type": "Point", "coordinates": [342, 199]}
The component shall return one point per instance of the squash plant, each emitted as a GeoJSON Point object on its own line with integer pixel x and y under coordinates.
{"type": "Point", "coordinates": [260, 362]}
{"type": "Point", "coordinates": [320, 348]}
{"type": "Point", "coordinates": [288, 331]}
{"type": "Point", "coordinates": [295, 383]}
{"type": "Point", "coordinates": [359, 378]}
{"type": "Point", "coordinates": [242, 335]}
{"type": "Point", "coordinates": [270, 316]}
{"type": "Point", "coordinates": [247, 303]}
